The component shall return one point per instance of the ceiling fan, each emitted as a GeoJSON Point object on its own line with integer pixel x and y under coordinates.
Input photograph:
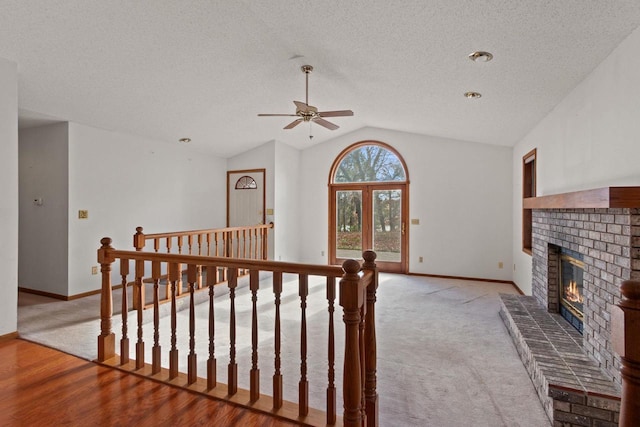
{"type": "Point", "coordinates": [309, 113]}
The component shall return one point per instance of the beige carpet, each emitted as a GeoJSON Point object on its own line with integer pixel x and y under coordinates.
{"type": "Point", "coordinates": [445, 358]}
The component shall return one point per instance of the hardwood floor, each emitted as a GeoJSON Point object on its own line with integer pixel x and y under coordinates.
{"type": "Point", "coordinates": [40, 386]}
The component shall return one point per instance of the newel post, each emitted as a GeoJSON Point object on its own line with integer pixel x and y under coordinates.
{"type": "Point", "coordinates": [106, 339]}
{"type": "Point", "coordinates": [138, 239]}
{"type": "Point", "coordinates": [625, 331]}
{"type": "Point", "coordinates": [370, 355]}
{"type": "Point", "coordinates": [351, 300]}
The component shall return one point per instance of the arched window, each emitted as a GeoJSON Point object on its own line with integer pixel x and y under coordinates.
{"type": "Point", "coordinates": [370, 163]}
{"type": "Point", "coordinates": [246, 183]}
{"type": "Point", "coordinates": [368, 201]}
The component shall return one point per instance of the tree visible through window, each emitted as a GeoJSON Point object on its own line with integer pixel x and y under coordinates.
{"type": "Point", "coordinates": [370, 163]}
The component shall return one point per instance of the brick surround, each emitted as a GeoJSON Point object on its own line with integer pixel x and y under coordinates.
{"type": "Point", "coordinates": [609, 241]}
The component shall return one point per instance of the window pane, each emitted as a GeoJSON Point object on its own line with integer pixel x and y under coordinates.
{"type": "Point", "coordinates": [370, 163]}
{"type": "Point", "coordinates": [349, 224]}
{"type": "Point", "coordinates": [387, 224]}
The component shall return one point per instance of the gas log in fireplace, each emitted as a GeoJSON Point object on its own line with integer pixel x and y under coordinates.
{"type": "Point", "coordinates": [571, 288]}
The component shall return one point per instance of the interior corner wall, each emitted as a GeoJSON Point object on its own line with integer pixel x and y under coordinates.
{"type": "Point", "coordinates": [460, 192]}
{"type": "Point", "coordinates": [287, 217]}
{"type": "Point", "coordinates": [9, 191]}
{"type": "Point", "coordinates": [126, 181]}
{"type": "Point", "coordinates": [589, 140]}
{"type": "Point", "coordinates": [44, 176]}
{"type": "Point", "coordinates": [262, 157]}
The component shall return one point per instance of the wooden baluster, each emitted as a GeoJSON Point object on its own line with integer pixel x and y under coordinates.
{"type": "Point", "coordinates": [265, 243]}
{"type": "Point", "coordinates": [174, 274]}
{"type": "Point", "coordinates": [156, 351]}
{"type": "Point", "coordinates": [251, 245]}
{"type": "Point", "coordinates": [625, 332]}
{"type": "Point", "coordinates": [331, 388]}
{"type": "Point", "coordinates": [208, 244]}
{"type": "Point", "coordinates": [237, 243]}
{"type": "Point", "coordinates": [233, 366]}
{"type": "Point", "coordinates": [156, 245]}
{"type": "Point", "coordinates": [170, 286]}
{"type": "Point", "coordinates": [106, 339]}
{"type": "Point", "coordinates": [179, 244]}
{"type": "Point", "coordinates": [303, 385]}
{"type": "Point", "coordinates": [138, 239]}
{"type": "Point", "coordinates": [192, 358]}
{"type": "Point", "coordinates": [190, 243]}
{"type": "Point", "coordinates": [351, 299]}
{"type": "Point", "coordinates": [277, 376]}
{"type": "Point", "coordinates": [244, 244]}
{"type": "Point", "coordinates": [199, 282]}
{"type": "Point", "coordinates": [211, 362]}
{"type": "Point", "coordinates": [254, 375]}
{"type": "Point", "coordinates": [139, 289]}
{"type": "Point", "coordinates": [124, 341]}
{"type": "Point", "coordinates": [371, 358]}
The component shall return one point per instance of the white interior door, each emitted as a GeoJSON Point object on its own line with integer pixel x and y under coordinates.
{"type": "Point", "coordinates": [246, 194]}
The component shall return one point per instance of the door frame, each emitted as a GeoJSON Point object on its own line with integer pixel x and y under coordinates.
{"type": "Point", "coordinates": [367, 222]}
{"type": "Point", "coordinates": [367, 190]}
{"type": "Point", "coordinates": [264, 189]}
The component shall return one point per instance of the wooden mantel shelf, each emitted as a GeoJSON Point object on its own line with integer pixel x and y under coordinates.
{"type": "Point", "coordinates": [608, 197]}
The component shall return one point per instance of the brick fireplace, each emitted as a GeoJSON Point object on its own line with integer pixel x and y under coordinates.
{"type": "Point", "coordinates": [605, 238]}
{"type": "Point", "coordinates": [576, 375]}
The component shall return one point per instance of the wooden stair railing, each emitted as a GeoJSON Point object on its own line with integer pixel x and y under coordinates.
{"type": "Point", "coordinates": [357, 296]}
{"type": "Point", "coordinates": [625, 331]}
{"type": "Point", "coordinates": [247, 242]}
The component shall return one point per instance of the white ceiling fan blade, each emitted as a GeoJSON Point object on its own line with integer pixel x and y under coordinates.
{"type": "Point", "coordinates": [325, 123]}
{"type": "Point", "coordinates": [293, 124]}
{"type": "Point", "coordinates": [338, 113]}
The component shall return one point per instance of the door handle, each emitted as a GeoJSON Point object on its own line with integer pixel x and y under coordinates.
{"type": "Point", "coordinates": [403, 229]}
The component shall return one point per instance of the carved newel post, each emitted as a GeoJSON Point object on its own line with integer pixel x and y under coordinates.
{"type": "Point", "coordinates": [371, 358]}
{"type": "Point", "coordinates": [106, 339]}
{"type": "Point", "coordinates": [351, 300]}
{"type": "Point", "coordinates": [625, 325]}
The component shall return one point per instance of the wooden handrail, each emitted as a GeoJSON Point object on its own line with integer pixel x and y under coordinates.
{"type": "Point", "coordinates": [625, 330]}
{"type": "Point", "coordinates": [357, 296]}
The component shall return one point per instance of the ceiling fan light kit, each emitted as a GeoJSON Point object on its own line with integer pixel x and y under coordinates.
{"type": "Point", "coordinates": [309, 113]}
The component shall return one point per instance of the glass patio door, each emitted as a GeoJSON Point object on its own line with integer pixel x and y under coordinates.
{"type": "Point", "coordinates": [370, 217]}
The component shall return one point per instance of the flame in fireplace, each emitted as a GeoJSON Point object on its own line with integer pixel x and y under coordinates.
{"type": "Point", "coordinates": [572, 293]}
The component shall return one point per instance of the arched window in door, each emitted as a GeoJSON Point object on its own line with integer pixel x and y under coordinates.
{"type": "Point", "coordinates": [369, 204]}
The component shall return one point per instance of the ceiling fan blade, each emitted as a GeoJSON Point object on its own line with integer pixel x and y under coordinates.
{"type": "Point", "coordinates": [276, 115]}
{"type": "Point", "coordinates": [327, 124]}
{"type": "Point", "coordinates": [301, 106]}
{"type": "Point", "coordinates": [293, 124]}
{"type": "Point", "coordinates": [338, 113]}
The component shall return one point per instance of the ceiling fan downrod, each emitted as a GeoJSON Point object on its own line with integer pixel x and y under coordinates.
{"type": "Point", "coordinates": [306, 69]}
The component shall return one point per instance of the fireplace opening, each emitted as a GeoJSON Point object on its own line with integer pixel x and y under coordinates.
{"type": "Point", "coordinates": [571, 288]}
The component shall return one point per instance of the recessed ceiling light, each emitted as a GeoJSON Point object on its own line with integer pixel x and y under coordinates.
{"type": "Point", "coordinates": [184, 140]}
{"type": "Point", "coordinates": [480, 56]}
{"type": "Point", "coordinates": [472, 95]}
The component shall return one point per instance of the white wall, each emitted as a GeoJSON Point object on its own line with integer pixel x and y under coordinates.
{"type": "Point", "coordinates": [9, 193]}
{"type": "Point", "coordinates": [589, 140]}
{"type": "Point", "coordinates": [287, 219]}
{"type": "Point", "coordinates": [44, 174]}
{"type": "Point", "coordinates": [460, 192]}
{"type": "Point", "coordinates": [126, 181]}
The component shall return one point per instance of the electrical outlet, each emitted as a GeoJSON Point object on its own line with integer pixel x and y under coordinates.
{"type": "Point", "coordinates": [83, 214]}
{"type": "Point", "coordinates": [500, 264]}
{"type": "Point", "coordinates": [419, 259]}
{"type": "Point", "coordinates": [415, 221]}
{"type": "Point", "coordinates": [94, 269]}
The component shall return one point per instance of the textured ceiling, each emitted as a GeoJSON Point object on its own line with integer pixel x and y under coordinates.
{"type": "Point", "coordinates": [167, 69]}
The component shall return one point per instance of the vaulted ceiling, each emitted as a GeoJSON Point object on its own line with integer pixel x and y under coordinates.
{"type": "Point", "coordinates": [168, 69]}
